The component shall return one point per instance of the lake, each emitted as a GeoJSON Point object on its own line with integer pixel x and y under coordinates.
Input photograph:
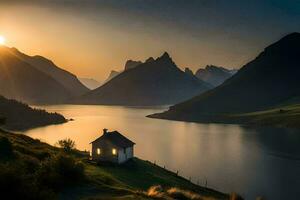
{"type": "Point", "coordinates": [231, 158]}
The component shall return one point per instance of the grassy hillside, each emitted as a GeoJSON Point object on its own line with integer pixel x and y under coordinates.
{"type": "Point", "coordinates": [284, 116]}
{"type": "Point", "coordinates": [32, 169]}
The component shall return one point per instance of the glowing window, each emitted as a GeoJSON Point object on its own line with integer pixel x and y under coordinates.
{"type": "Point", "coordinates": [114, 151]}
{"type": "Point", "coordinates": [98, 151]}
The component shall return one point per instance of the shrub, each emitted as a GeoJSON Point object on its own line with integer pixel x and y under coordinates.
{"type": "Point", "coordinates": [235, 196]}
{"type": "Point", "coordinates": [6, 149]}
{"type": "Point", "coordinates": [155, 191]}
{"type": "Point", "coordinates": [60, 170]}
{"type": "Point", "coordinates": [15, 183]}
{"type": "Point", "coordinates": [67, 144]}
{"type": "Point", "coordinates": [2, 120]}
{"type": "Point", "coordinates": [177, 193]}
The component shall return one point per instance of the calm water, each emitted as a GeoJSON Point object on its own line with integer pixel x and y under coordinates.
{"type": "Point", "coordinates": [231, 158]}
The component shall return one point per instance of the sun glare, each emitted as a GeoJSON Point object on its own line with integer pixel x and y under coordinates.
{"type": "Point", "coordinates": [2, 40]}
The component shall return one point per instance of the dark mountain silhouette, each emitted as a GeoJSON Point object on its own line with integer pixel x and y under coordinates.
{"type": "Point", "coordinates": [130, 64]}
{"type": "Point", "coordinates": [19, 116]}
{"type": "Point", "coordinates": [90, 83]}
{"type": "Point", "coordinates": [214, 75]}
{"type": "Point", "coordinates": [188, 71]}
{"type": "Point", "coordinates": [269, 80]}
{"type": "Point", "coordinates": [68, 80]}
{"type": "Point", "coordinates": [20, 80]}
{"type": "Point", "coordinates": [155, 82]}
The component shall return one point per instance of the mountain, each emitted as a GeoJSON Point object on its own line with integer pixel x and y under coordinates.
{"type": "Point", "coordinates": [188, 71]}
{"type": "Point", "coordinates": [112, 74]}
{"type": "Point", "coordinates": [90, 83]}
{"type": "Point", "coordinates": [130, 64]}
{"type": "Point", "coordinates": [214, 75]}
{"type": "Point", "coordinates": [68, 80]}
{"type": "Point", "coordinates": [20, 80]}
{"type": "Point", "coordinates": [19, 116]}
{"type": "Point", "coordinates": [156, 82]}
{"type": "Point", "coordinates": [270, 80]}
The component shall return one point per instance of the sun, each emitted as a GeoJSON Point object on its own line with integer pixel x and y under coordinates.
{"type": "Point", "coordinates": [2, 40]}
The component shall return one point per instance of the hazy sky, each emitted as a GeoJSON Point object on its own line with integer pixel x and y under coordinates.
{"type": "Point", "coordinates": [92, 37]}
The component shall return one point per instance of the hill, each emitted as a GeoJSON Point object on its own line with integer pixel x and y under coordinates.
{"type": "Point", "coordinates": [214, 75]}
{"type": "Point", "coordinates": [31, 169]}
{"type": "Point", "coordinates": [19, 116]}
{"type": "Point", "coordinates": [271, 79]}
{"type": "Point", "coordinates": [20, 80]}
{"type": "Point", "coordinates": [155, 82]}
{"type": "Point", "coordinates": [65, 78]}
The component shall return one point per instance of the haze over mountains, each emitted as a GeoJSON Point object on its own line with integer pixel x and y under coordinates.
{"type": "Point", "coordinates": [90, 83]}
{"type": "Point", "coordinates": [20, 80]}
{"type": "Point", "coordinates": [271, 79]}
{"type": "Point", "coordinates": [35, 79]}
{"type": "Point", "coordinates": [154, 82]}
{"type": "Point", "coordinates": [112, 74]}
{"type": "Point", "coordinates": [67, 79]}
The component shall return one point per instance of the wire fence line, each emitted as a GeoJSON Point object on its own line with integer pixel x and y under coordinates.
{"type": "Point", "coordinates": [189, 178]}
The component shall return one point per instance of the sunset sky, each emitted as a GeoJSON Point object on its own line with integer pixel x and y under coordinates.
{"type": "Point", "coordinates": [92, 37]}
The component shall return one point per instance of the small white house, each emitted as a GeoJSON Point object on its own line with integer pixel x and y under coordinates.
{"type": "Point", "coordinates": [112, 147]}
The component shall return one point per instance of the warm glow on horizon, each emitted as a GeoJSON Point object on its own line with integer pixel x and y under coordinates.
{"type": "Point", "coordinates": [2, 40]}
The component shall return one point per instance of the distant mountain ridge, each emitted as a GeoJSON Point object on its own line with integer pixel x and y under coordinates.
{"type": "Point", "coordinates": [155, 82]}
{"type": "Point", "coordinates": [67, 79]}
{"type": "Point", "coordinates": [271, 79]}
{"type": "Point", "coordinates": [130, 64]}
{"type": "Point", "coordinates": [90, 83]}
{"type": "Point", "coordinates": [112, 75]}
{"type": "Point", "coordinates": [214, 75]}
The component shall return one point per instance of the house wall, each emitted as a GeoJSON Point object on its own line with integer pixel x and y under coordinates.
{"type": "Point", "coordinates": [125, 154]}
{"type": "Point", "coordinates": [106, 152]}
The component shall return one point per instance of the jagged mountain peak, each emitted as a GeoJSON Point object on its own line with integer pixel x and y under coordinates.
{"type": "Point", "coordinates": [130, 64]}
{"type": "Point", "coordinates": [165, 59]}
{"type": "Point", "coordinates": [150, 59]}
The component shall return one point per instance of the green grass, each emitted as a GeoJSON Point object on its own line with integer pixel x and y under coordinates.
{"type": "Point", "coordinates": [127, 181]}
{"type": "Point", "coordinates": [141, 175]}
{"type": "Point", "coordinates": [285, 116]}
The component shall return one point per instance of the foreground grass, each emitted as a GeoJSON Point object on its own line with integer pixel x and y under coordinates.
{"type": "Point", "coordinates": [139, 175]}
{"type": "Point", "coordinates": [47, 172]}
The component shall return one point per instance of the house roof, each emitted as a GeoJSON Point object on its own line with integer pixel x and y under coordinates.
{"type": "Point", "coordinates": [115, 138]}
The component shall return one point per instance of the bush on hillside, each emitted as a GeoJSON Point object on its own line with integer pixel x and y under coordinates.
{"type": "Point", "coordinates": [6, 149]}
{"type": "Point", "coordinates": [66, 144]}
{"type": "Point", "coordinates": [59, 171]}
{"type": "Point", "coordinates": [18, 183]}
{"type": "Point", "coordinates": [2, 120]}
